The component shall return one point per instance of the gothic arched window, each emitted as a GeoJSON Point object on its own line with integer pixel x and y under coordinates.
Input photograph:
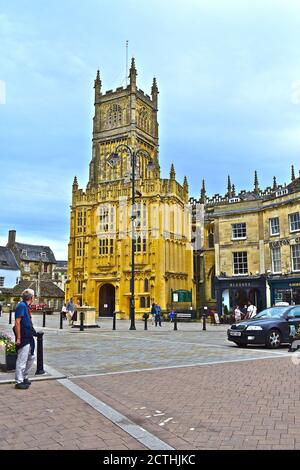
{"type": "Point", "coordinates": [114, 116]}
{"type": "Point", "coordinates": [143, 120]}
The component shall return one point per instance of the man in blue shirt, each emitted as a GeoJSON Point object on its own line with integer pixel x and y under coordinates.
{"type": "Point", "coordinates": [25, 344]}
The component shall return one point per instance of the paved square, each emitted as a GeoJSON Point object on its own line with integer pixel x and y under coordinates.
{"type": "Point", "coordinates": [191, 389]}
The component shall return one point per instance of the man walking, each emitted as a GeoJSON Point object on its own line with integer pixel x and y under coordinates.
{"type": "Point", "coordinates": [25, 345]}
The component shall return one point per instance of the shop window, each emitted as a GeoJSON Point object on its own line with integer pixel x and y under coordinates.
{"type": "Point", "coordinates": [239, 231]}
{"type": "Point", "coordinates": [240, 263]}
{"type": "Point", "coordinates": [274, 226]}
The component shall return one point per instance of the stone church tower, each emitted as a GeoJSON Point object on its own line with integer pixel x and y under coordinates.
{"type": "Point", "coordinates": [99, 256]}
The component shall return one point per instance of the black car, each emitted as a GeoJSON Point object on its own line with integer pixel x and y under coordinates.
{"type": "Point", "coordinates": [271, 327]}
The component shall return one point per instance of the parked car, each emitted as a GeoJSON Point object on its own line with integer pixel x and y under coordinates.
{"type": "Point", "coordinates": [272, 327]}
{"type": "Point", "coordinates": [38, 307]}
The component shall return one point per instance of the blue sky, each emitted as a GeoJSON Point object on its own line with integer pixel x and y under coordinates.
{"type": "Point", "coordinates": [228, 73]}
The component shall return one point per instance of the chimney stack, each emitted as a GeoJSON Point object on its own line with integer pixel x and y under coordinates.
{"type": "Point", "coordinates": [11, 238]}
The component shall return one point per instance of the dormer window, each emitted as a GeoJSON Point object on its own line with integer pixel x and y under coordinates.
{"type": "Point", "coordinates": [24, 252]}
{"type": "Point", "coordinates": [281, 192]}
{"type": "Point", "coordinates": [43, 255]}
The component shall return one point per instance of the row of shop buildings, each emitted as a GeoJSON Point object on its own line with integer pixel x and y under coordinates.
{"type": "Point", "coordinates": [251, 246]}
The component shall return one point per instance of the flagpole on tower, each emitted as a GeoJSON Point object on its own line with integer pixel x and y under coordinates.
{"type": "Point", "coordinates": [126, 61]}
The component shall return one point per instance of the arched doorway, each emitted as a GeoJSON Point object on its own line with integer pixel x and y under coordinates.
{"type": "Point", "coordinates": [107, 298]}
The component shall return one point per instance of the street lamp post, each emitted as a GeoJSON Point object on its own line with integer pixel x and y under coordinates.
{"type": "Point", "coordinates": [113, 159]}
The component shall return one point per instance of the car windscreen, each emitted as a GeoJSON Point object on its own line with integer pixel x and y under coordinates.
{"type": "Point", "coordinates": [273, 312]}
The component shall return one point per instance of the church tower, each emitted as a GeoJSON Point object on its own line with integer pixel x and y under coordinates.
{"type": "Point", "coordinates": [100, 248]}
{"type": "Point", "coordinates": [124, 116]}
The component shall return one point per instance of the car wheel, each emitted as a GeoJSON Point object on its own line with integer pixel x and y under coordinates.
{"type": "Point", "coordinates": [273, 339]}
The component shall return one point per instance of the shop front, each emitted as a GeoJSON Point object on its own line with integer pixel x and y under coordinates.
{"type": "Point", "coordinates": [285, 289]}
{"type": "Point", "coordinates": [232, 291]}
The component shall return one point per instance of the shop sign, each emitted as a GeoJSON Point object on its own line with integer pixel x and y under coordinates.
{"type": "Point", "coordinates": [284, 241]}
{"type": "Point", "coordinates": [240, 284]}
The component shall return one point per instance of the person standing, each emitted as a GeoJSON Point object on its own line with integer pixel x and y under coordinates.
{"type": "Point", "coordinates": [25, 345]}
{"type": "Point", "coordinates": [64, 311]}
{"type": "Point", "coordinates": [251, 310]}
{"type": "Point", "coordinates": [153, 312]}
{"type": "Point", "coordinates": [172, 315]}
{"type": "Point", "coordinates": [70, 311]}
{"type": "Point", "coordinates": [237, 313]}
{"type": "Point", "coordinates": [158, 315]}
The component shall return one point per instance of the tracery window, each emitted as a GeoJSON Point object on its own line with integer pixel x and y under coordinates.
{"type": "Point", "coordinates": [143, 120]}
{"type": "Point", "coordinates": [114, 116]}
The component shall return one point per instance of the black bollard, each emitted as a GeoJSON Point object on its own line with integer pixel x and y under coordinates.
{"type": "Point", "coordinates": [114, 320]}
{"type": "Point", "coordinates": [81, 321]}
{"type": "Point", "coordinates": [175, 322]}
{"type": "Point", "coordinates": [40, 354]}
{"type": "Point", "coordinates": [204, 321]}
{"type": "Point", "coordinates": [44, 319]}
{"type": "Point", "coordinates": [146, 324]}
{"type": "Point", "coordinates": [9, 321]}
{"type": "Point", "coordinates": [61, 321]}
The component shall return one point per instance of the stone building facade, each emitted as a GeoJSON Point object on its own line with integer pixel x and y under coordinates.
{"type": "Point", "coordinates": [35, 261]}
{"type": "Point", "coordinates": [254, 251]}
{"type": "Point", "coordinates": [99, 255]}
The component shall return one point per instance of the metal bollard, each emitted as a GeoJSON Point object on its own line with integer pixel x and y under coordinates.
{"type": "Point", "coordinates": [61, 321]}
{"type": "Point", "coordinates": [9, 321]}
{"type": "Point", "coordinates": [204, 322]}
{"type": "Point", "coordinates": [44, 319]}
{"type": "Point", "coordinates": [40, 354]}
{"type": "Point", "coordinates": [175, 323]}
{"type": "Point", "coordinates": [146, 323]}
{"type": "Point", "coordinates": [81, 321]}
{"type": "Point", "coordinates": [114, 320]}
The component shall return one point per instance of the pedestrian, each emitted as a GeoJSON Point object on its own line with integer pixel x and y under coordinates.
{"type": "Point", "coordinates": [158, 315]}
{"type": "Point", "coordinates": [153, 312]}
{"type": "Point", "coordinates": [70, 311]}
{"type": "Point", "coordinates": [172, 315]}
{"type": "Point", "coordinates": [244, 313]}
{"type": "Point", "coordinates": [64, 311]}
{"type": "Point", "coordinates": [237, 313]}
{"type": "Point", "coordinates": [25, 345]}
{"type": "Point", "coordinates": [251, 310]}
{"type": "Point", "coordinates": [74, 317]}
